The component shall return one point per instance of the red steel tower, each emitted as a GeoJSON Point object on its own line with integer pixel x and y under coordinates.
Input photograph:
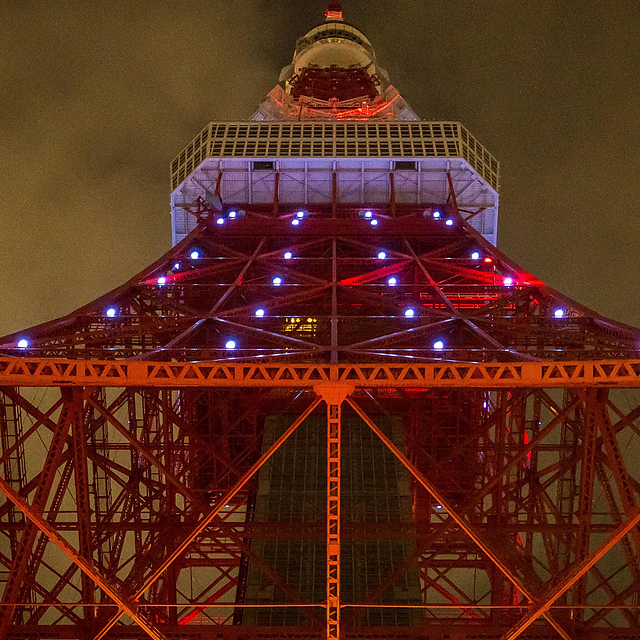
{"type": "Point", "coordinates": [332, 410]}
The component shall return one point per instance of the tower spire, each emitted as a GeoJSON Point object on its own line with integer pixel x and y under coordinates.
{"type": "Point", "coordinates": [334, 12]}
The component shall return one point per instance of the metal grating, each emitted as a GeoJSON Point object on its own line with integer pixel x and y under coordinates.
{"type": "Point", "coordinates": [335, 140]}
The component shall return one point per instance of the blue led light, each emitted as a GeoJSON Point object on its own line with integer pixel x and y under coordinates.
{"type": "Point", "coordinates": [288, 255]}
{"type": "Point", "coordinates": [232, 215]}
{"type": "Point", "coordinates": [438, 345]}
{"type": "Point", "coordinates": [508, 282]}
{"type": "Point", "coordinates": [260, 313]}
{"type": "Point", "coordinates": [301, 214]}
{"type": "Point", "coordinates": [162, 281]}
{"type": "Point", "coordinates": [409, 313]}
{"type": "Point", "coordinates": [368, 215]}
{"type": "Point", "coordinates": [111, 312]}
{"type": "Point", "coordinates": [220, 221]}
{"type": "Point", "coordinates": [231, 345]}
{"type": "Point", "coordinates": [559, 313]}
{"type": "Point", "coordinates": [195, 254]}
{"type": "Point", "coordinates": [382, 255]}
{"type": "Point", "coordinates": [475, 255]}
{"type": "Point", "coordinates": [23, 343]}
{"type": "Point", "coordinates": [374, 223]}
{"type": "Point", "coordinates": [277, 281]}
{"type": "Point", "coordinates": [436, 215]}
{"type": "Point", "coordinates": [176, 266]}
{"type": "Point", "coordinates": [392, 281]}
{"type": "Point", "coordinates": [295, 222]}
{"type": "Point", "coordinates": [449, 222]}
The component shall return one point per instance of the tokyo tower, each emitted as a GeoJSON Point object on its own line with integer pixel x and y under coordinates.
{"type": "Point", "coordinates": [334, 409]}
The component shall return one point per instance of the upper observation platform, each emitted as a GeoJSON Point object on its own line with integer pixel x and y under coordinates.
{"type": "Point", "coordinates": [334, 130]}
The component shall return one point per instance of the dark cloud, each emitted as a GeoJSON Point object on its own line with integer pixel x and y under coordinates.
{"type": "Point", "coordinates": [98, 97]}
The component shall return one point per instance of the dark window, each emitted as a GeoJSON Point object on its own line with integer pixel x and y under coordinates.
{"type": "Point", "coordinates": [403, 165]}
{"type": "Point", "coordinates": [263, 165]}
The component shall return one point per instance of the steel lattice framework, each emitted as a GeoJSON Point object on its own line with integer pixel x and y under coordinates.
{"type": "Point", "coordinates": [132, 435]}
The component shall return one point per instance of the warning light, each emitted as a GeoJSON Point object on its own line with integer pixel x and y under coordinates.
{"type": "Point", "coordinates": [488, 260]}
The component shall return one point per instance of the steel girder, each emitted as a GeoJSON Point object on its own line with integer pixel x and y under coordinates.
{"type": "Point", "coordinates": [495, 502]}
{"type": "Point", "coordinates": [132, 437]}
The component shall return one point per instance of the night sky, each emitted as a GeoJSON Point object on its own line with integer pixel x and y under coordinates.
{"type": "Point", "coordinates": [97, 98]}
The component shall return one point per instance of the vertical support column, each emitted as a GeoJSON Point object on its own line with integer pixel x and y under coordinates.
{"type": "Point", "coordinates": [334, 193]}
{"type": "Point", "coordinates": [334, 302]}
{"type": "Point", "coordinates": [333, 395]}
{"type": "Point", "coordinates": [83, 507]}
{"type": "Point", "coordinates": [585, 500]}
{"type": "Point", "coordinates": [43, 486]}
{"type": "Point", "coordinates": [276, 189]}
{"type": "Point", "coordinates": [392, 198]}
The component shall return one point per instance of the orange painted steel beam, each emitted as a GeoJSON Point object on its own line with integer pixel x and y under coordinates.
{"type": "Point", "coordinates": [45, 372]}
{"type": "Point", "coordinates": [333, 395]}
{"type": "Point", "coordinates": [576, 572]}
{"type": "Point", "coordinates": [85, 564]}
{"type": "Point", "coordinates": [212, 515]}
{"type": "Point", "coordinates": [454, 515]}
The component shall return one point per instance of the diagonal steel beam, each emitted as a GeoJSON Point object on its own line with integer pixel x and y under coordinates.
{"type": "Point", "coordinates": [84, 563]}
{"type": "Point", "coordinates": [189, 495]}
{"type": "Point", "coordinates": [207, 520]}
{"type": "Point", "coordinates": [577, 571]}
{"type": "Point", "coordinates": [459, 520]}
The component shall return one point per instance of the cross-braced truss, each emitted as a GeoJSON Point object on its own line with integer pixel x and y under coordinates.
{"type": "Point", "coordinates": [144, 435]}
